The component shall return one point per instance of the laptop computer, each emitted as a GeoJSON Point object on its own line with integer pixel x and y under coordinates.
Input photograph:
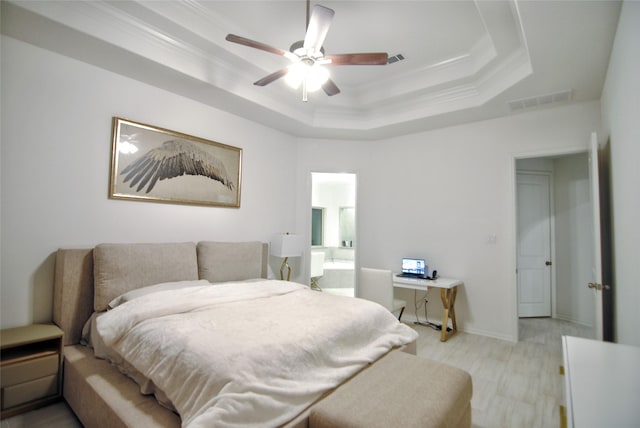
{"type": "Point", "coordinates": [413, 268]}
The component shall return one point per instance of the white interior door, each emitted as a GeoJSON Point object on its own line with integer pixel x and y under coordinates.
{"type": "Point", "coordinates": [596, 284]}
{"type": "Point", "coordinates": [534, 245]}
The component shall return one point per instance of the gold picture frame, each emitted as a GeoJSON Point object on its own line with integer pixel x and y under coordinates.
{"type": "Point", "coordinates": [153, 164]}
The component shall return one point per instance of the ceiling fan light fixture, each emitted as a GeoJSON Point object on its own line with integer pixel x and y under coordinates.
{"type": "Point", "coordinates": [297, 73]}
{"type": "Point", "coordinates": [314, 75]}
{"type": "Point", "coordinates": [308, 56]}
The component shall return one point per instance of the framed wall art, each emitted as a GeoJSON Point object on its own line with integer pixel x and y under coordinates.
{"type": "Point", "coordinates": [154, 164]}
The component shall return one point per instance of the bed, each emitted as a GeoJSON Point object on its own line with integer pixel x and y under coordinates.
{"type": "Point", "coordinates": [218, 285]}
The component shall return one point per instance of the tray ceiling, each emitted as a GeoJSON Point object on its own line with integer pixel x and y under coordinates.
{"type": "Point", "coordinates": [463, 60]}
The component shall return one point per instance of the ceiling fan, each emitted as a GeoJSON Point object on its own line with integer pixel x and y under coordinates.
{"type": "Point", "coordinates": [308, 58]}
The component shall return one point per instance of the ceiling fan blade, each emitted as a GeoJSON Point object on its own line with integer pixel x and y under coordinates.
{"type": "Point", "coordinates": [270, 78]}
{"type": "Point", "coordinates": [374, 58]}
{"type": "Point", "coordinates": [330, 88]}
{"type": "Point", "coordinates": [318, 27]}
{"type": "Point", "coordinates": [258, 45]}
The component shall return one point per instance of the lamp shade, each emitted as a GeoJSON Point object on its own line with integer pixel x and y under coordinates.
{"type": "Point", "coordinates": [286, 245]}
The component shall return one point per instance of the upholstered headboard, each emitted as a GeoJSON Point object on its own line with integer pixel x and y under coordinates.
{"type": "Point", "coordinates": [86, 280]}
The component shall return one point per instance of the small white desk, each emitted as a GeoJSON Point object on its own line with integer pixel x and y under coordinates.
{"type": "Point", "coordinates": [448, 292]}
{"type": "Point", "coordinates": [602, 383]}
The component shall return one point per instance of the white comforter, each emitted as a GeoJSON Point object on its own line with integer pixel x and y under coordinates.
{"type": "Point", "coordinates": [252, 354]}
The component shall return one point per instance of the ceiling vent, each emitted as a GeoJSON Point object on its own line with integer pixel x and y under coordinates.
{"type": "Point", "coordinates": [395, 58]}
{"type": "Point", "coordinates": [540, 101]}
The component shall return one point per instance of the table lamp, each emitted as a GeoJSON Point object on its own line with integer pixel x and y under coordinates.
{"type": "Point", "coordinates": [286, 245]}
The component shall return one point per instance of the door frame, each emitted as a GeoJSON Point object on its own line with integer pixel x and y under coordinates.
{"type": "Point", "coordinates": [309, 205]}
{"type": "Point", "coordinates": [552, 235]}
{"type": "Point", "coordinates": [513, 298]}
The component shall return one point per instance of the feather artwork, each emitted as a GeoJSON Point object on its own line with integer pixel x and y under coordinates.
{"type": "Point", "coordinates": [174, 159]}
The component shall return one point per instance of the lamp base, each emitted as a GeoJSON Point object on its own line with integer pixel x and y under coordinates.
{"type": "Point", "coordinates": [285, 264]}
{"type": "Point", "coordinates": [315, 285]}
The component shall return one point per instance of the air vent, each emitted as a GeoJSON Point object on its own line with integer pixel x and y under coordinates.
{"type": "Point", "coordinates": [540, 101]}
{"type": "Point", "coordinates": [395, 58]}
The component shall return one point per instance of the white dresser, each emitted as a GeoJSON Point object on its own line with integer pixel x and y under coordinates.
{"type": "Point", "coordinates": [602, 384]}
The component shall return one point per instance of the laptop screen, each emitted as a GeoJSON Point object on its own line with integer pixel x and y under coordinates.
{"type": "Point", "coordinates": [413, 266]}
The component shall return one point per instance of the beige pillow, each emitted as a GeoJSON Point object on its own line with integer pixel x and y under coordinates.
{"type": "Point", "coordinates": [230, 261]}
{"type": "Point", "coordinates": [119, 268]}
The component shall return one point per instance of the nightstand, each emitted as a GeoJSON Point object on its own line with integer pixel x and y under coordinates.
{"type": "Point", "coordinates": [30, 367]}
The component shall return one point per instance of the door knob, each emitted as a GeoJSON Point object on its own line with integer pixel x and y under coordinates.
{"type": "Point", "coordinates": [547, 263]}
{"type": "Point", "coordinates": [598, 286]}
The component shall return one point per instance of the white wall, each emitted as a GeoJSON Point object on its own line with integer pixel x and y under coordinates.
{"type": "Point", "coordinates": [620, 113]}
{"type": "Point", "coordinates": [56, 140]}
{"type": "Point", "coordinates": [442, 194]}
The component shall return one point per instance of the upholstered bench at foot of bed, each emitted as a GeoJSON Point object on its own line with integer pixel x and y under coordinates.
{"type": "Point", "coordinates": [102, 397]}
{"type": "Point", "coordinates": [399, 390]}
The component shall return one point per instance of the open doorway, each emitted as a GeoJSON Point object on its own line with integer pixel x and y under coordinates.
{"type": "Point", "coordinates": [333, 232]}
{"type": "Point", "coordinates": [555, 243]}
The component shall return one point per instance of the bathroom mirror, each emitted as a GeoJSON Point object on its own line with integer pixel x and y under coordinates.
{"type": "Point", "coordinates": [347, 226]}
{"type": "Point", "coordinates": [317, 227]}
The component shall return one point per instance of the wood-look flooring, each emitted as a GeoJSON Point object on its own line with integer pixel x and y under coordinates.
{"type": "Point", "coordinates": [514, 384]}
